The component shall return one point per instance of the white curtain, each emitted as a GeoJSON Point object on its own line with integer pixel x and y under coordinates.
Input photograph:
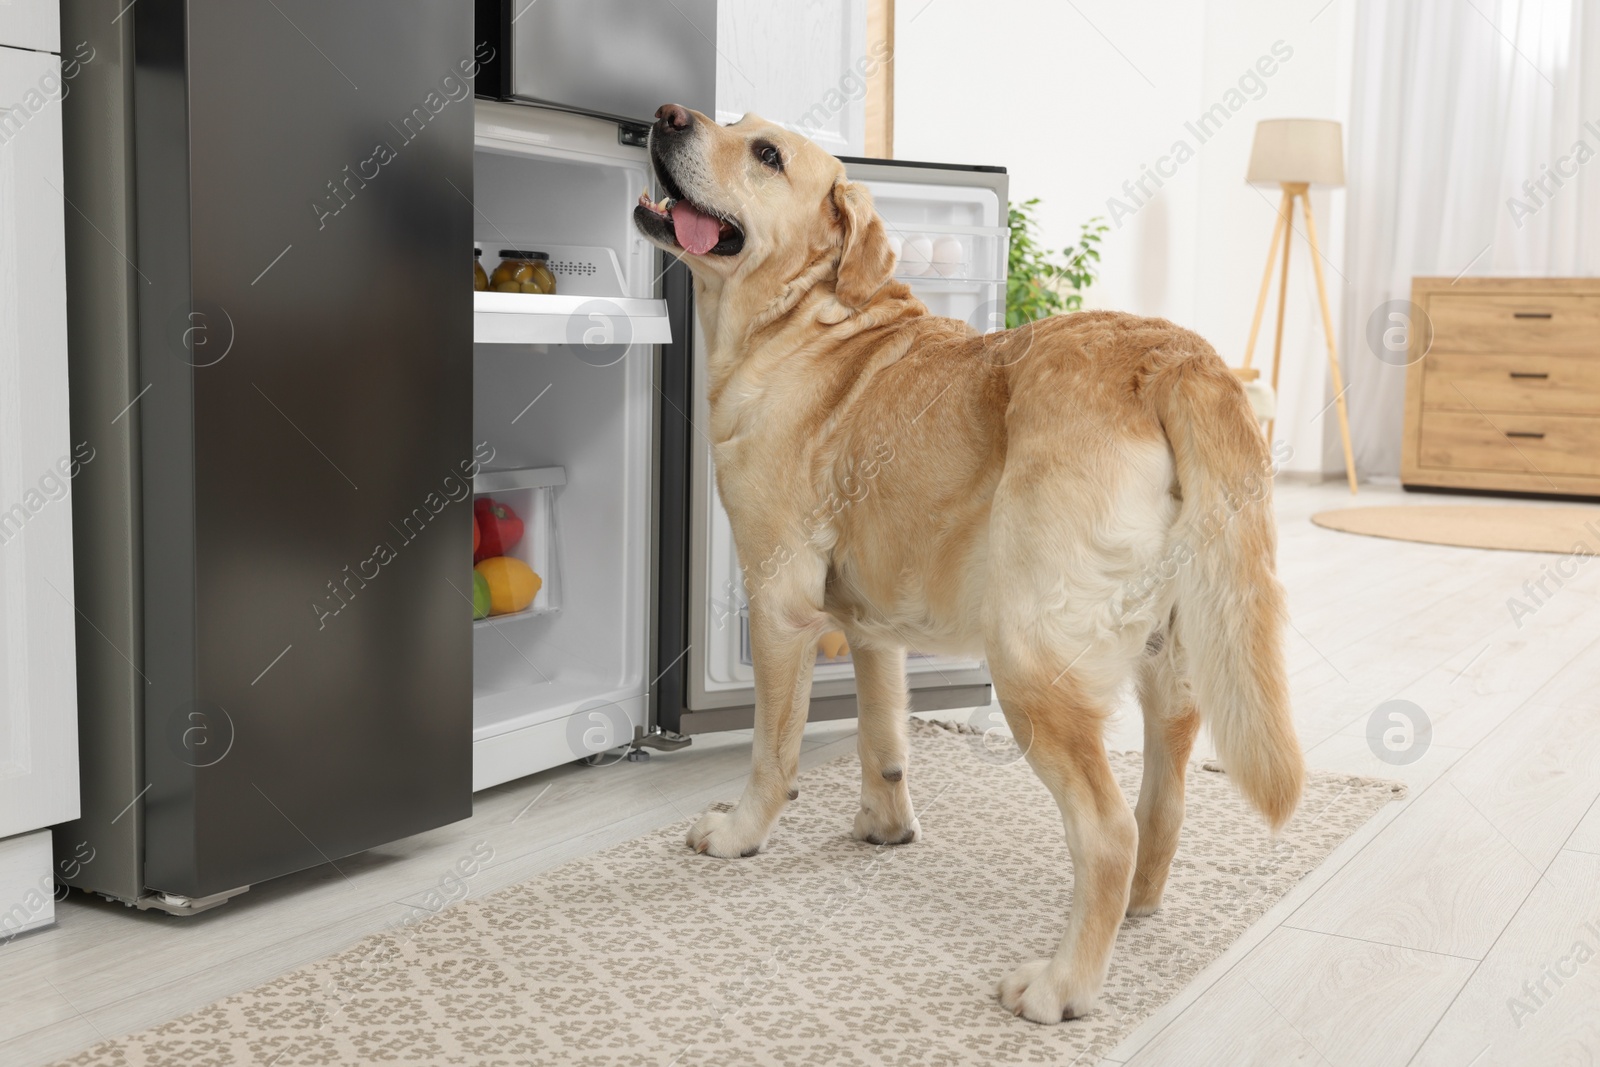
{"type": "Point", "coordinates": [1455, 105]}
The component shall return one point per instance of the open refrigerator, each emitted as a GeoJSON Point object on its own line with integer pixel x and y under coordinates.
{"type": "Point", "coordinates": [563, 419]}
{"type": "Point", "coordinates": [948, 226]}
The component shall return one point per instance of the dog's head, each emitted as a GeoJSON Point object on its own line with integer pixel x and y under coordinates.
{"type": "Point", "coordinates": [753, 198]}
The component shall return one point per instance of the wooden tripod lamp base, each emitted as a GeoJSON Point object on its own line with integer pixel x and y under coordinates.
{"type": "Point", "coordinates": [1312, 150]}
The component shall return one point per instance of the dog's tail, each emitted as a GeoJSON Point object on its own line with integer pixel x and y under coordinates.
{"type": "Point", "coordinates": [1229, 609]}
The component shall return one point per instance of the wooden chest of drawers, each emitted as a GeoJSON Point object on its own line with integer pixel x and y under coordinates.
{"type": "Point", "coordinates": [1503, 385]}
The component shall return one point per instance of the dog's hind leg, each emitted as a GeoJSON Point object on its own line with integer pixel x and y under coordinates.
{"type": "Point", "coordinates": [1170, 725]}
{"type": "Point", "coordinates": [1074, 528]}
{"type": "Point", "coordinates": [1058, 724]}
{"type": "Point", "coordinates": [885, 817]}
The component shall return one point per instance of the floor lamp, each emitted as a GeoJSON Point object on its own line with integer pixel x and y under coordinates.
{"type": "Point", "coordinates": [1297, 153]}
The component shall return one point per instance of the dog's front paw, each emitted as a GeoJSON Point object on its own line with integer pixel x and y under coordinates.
{"type": "Point", "coordinates": [1034, 992]}
{"type": "Point", "coordinates": [881, 828]}
{"type": "Point", "coordinates": [718, 833]}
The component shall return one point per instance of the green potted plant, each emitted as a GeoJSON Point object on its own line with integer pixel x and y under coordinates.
{"type": "Point", "coordinates": [1037, 283]}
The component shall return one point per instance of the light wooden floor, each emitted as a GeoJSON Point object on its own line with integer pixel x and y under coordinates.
{"type": "Point", "coordinates": [1406, 946]}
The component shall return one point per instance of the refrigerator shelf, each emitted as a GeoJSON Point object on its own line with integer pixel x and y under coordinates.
{"type": "Point", "coordinates": [561, 318]}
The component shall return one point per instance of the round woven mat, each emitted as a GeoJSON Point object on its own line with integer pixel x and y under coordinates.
{"type": "Point", "coordinates": [1561, 530]}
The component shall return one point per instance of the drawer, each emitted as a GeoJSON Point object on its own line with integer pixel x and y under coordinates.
{"type": "Point", "coordinates": [1554, 385]}
{"type": "Point", "coordinates": [1533, 444]}
{"type": "Point", "coordinates": [34, 24]}
{"type": "Point", "coordinates": [1513, 324]}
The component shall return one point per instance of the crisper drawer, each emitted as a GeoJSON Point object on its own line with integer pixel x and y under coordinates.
{"type": "Point", "coordinates": [1515, 323]}
{"type": "Point", "coordinates": [1555, 385]}
{"type": "Point", "coordinates": [515, 572]}
{"type": "Point", "coordinates": [1517, 443]}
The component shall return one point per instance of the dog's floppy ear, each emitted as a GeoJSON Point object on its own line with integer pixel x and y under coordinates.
{"type": "Point", "coordinates": [865, 259]}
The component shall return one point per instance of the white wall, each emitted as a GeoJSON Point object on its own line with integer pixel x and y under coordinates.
{"type": "Point", "coordinates": [1029, 85]}
{"type": "Point", "coordinates": [800, 63]}
{"type": "Point", "coordinates": [1075, 105]}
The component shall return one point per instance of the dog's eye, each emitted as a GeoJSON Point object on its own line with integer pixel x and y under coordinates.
{"type": "Point", "coordinates": [769, 155]}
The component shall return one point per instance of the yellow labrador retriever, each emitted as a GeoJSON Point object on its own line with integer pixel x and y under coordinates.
{"type": "Point", "coordinates": [1080, 502]}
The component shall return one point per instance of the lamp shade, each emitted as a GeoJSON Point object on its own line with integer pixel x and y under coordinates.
{"type": "Point", "coordinates": [1297, 150]}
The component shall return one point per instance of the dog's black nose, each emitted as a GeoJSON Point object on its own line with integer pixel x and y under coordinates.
{"type": "Point", "coordinates": [673, 118]}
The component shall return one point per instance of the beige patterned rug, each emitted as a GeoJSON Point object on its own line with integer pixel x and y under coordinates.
{"type": "Point", "coordinates": [821, 950]}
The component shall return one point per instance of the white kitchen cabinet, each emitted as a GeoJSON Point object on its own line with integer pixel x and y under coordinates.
{"type": "Point", "coordinates": [802, 64]}
{"type": "Point", "coordinates": [38, 684]}
{"type": "Point", "coordinates": [34, 24]}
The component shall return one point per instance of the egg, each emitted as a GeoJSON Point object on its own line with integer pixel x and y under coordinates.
{"type": "Point", "coordinates": [916, 257]}
{"type": "Point", "coordinates": [894, 244]}
{"type": "Point", "coordinates": [948, 256]}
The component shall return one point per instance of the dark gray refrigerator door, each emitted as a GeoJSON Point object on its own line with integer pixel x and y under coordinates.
{"type": "Point", "coordinates": [303, 176]}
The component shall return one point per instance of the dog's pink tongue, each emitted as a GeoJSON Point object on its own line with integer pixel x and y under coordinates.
{"type": "Point", "coordinates": [696, 231]}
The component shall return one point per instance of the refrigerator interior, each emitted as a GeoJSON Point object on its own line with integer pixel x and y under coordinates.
{"type": "Point", "coordinates": [562, 393]}
{"type": "Point", "coordinates": [951, 241]}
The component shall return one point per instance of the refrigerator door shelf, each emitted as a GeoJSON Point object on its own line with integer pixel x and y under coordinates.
{"type": "Point", "coordinates": [561, 318]}
{"type": "Point", "coordinates": [943, 232]}
{"type": "Point", "coordinates": [950, 241]}
{"type": "Point", "coordinates": [941, 255]}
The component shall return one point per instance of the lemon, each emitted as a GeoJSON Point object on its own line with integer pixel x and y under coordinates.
{"type": "Point", "coordinates": [512, 584]}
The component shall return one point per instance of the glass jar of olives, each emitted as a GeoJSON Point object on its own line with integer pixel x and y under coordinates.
{"type": "Point", "coordinates": [522, 271]}
{"type": "Point", "coordinates": [480, 280]}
